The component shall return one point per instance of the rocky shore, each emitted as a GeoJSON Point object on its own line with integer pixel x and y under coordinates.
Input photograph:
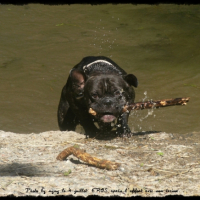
{"type": "Point", "coordinates": [152, 164]}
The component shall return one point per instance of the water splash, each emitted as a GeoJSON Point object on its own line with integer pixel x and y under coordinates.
{"type": "Point", "coordinates": [139, 118]}
{"type": "Point", "coordinates": [103, 37]}
{"type": "Point", "coordinates": [145, 97]}
{"type": "Point", "coordinates": [150, 112]}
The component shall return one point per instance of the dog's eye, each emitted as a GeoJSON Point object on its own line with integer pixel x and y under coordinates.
{"type": "Point", "coordinates": [94, 96]}
{"type": "Point", "coordinates": [117, 93]}
{"type": "Point", "coordinates": [76, 85]}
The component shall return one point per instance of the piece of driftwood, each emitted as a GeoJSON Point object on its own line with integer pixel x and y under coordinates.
{"type": "Point", "coordinates": [82, 155]}
{"type": "Point", "coordinates": [156, 104]}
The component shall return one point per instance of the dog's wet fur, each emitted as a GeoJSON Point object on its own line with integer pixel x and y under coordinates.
{"type": "Point", "coordinates": [100, 84]}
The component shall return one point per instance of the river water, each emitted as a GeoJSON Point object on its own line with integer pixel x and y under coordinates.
{"type": "Point", "coordinates": [39, 44]}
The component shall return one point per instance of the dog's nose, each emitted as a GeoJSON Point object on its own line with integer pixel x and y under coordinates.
{"type": "Point", "coordinates": [108, 102]}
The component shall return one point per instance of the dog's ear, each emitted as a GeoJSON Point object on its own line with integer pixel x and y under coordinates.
{"type": "Point", "coordinates": [131, 79]}
{"type": "Point", "coordinates": [77, 75]}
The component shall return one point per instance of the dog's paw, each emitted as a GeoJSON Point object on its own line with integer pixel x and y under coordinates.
{"type": "Point", "coordinates": [124, 131]}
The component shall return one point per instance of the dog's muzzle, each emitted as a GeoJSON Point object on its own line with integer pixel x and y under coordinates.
{"type": "Point", "coordinates": [106, 117]}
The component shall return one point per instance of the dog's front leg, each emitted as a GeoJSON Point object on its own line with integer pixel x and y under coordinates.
{"type": "Point", "coordinates": [89, 127]}
{"type": "Point", "coordinates": [122, 125]}
{"type": "Point", "coordinates": [66, 118]}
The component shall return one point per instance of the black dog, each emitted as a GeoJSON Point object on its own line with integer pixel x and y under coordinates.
{"type": "Point", "coordinates": [97, 89]}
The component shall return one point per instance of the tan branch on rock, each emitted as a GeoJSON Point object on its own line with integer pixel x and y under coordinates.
{"type": "Point", "coordinates": [82, 155]}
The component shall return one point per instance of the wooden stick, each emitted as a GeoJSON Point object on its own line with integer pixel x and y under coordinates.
{"type": "Point", "coordinates": [103, 164]}
{"type": "Point", "coordinates": [156, 104]}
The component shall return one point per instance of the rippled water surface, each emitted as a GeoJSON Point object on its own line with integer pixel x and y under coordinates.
{"type": "Point", "coordinates": [39, 44]}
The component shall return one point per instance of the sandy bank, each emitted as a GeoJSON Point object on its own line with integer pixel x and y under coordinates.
{"type": "Point", "coordinates": [152, 164]}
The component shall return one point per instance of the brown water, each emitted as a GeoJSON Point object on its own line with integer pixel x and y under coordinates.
{"type": "Point", "coordinates": [39, 44]}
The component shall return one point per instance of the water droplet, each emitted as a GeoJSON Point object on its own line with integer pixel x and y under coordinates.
{"type": "Point", "coordinates": [150, 112]}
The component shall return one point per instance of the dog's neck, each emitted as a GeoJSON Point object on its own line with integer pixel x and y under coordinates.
{"type": "Point", "coordinates": [102, 66]}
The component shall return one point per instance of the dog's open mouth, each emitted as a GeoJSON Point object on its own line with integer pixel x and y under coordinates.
{"type": "Point", "coordinates": [108, 117]}
{"type": "Point", "coordinates": [105, 117]}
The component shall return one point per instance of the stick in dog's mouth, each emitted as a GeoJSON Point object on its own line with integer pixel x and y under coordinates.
{"type": "Point", "coordinates": [125, 109]}
{"type": "Point", "coordinates": [92, 112]}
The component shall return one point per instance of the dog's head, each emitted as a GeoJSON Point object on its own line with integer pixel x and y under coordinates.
{"type": "Point", "coordinates": [106, 95]}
